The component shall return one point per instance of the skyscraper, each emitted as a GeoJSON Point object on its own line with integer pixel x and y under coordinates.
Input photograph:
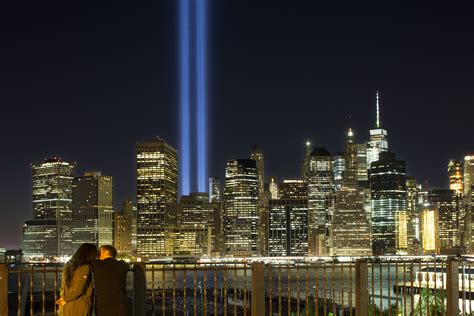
{"type": "Point", "coordinates": [157, 184]}
{"type": "Point", "coordinates": [288, 220]}
{"type": "Point", "coordinates": [468, 201]}
{"type": "Point", "coordinates": [262, 212]}
{"type": "Point", "coordinates": [92, 210]}
{"type": "Point", "coordinates": [455, 174]}
{"type": "Point", "coordinates": [350, 227]}
{"type": "Point", "coordinates": [362, 174]}
{"type": "Point", "coordinates": [320, 180]}
{"type": "Point", "coordinates": [124, 226]}
{"type": "Point", "coordinates": [429, 231]}
{"type": "Point", "coordinates": [413, 216]}
{"type": "Point", "coordinates": [293, 189]}
{"type": "Point", "coordinates": [338, 165]}
{"type": "Point", "coordinates": [378, 138]}
{"type": "Point", "coordinates": [214, 190]}
{"type": "Point", "coordinates": [446, 203]}
{"type": "Point", "coordinates": [49, 235]}
{"type": "Point", "coordinates": [273, 188]}
{"type": "Point", "coordinates": [240, 206]}
{"type": "Point", "coordinates": [388, 197]}
{"type": "Point", "coordinates": [195, 210]}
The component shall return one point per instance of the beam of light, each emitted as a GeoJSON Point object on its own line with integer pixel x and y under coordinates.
{"type": "Point", "coordinates": [185, 149]}
{"type": "Point", "coordinates": [201, 95]}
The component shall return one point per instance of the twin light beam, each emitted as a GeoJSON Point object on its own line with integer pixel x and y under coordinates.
{"type": "Point", "coordinates": [193, 87]}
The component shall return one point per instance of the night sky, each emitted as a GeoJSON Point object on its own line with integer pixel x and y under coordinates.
{"type": "Point", "coordinates": [86, 80]}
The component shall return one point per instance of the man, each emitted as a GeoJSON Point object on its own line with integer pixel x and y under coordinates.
{"type": "Point", "coordinates": [110, 277]}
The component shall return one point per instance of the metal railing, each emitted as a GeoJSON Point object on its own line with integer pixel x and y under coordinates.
{"type": "Point", "coordinates": [366, 287]}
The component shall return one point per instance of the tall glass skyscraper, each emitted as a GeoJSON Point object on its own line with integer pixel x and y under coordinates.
{"type": "Point", "coordinates": [92, 210]}
{"type": "Point", "coordinates": [49, 235]}
{"type": "Point", "coordinates": [338, 165]}
{"type": "Point", "coordinates": [378, 138]}
{"type": "Point", "coordinates": [388, 197]}
{"type": "Point", "coordinates": [240, 206]}
{"type": "Point", "coordinates": [157, 186]}
{"type": "Point", "coordinates": [446, 203]}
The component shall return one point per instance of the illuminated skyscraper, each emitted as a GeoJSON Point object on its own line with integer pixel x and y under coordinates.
{"type": "Point", "coordinates": [92, 210]}
{"type": "Point", "coordinates": [362, 174]}
{"type": "Point", "coordinates": [293, 189]}
{"type": "Point", "coordinates": [388, 197]}
{"type": "Point", "coordinates": [308, 148]}
{"type": "Point", "coordinates": [413, 216]}
{"type": "Point", "coordinates": [240, 206]}
{"type": "Point", "coordinates": [378, 138]}
{"type": "Point", "coordinates": [157, 184]}
{"type": "Point", "coordinates": [455, 174]}
{"type": "Point", "coordinates": [350, 227]}
{"type": "Point", "coordinates": [273, 188]}
{"type": "Point", "coordinates": [447, 204]}
{"type": "Point", "coordinates": [195, 210]}
{"type": "Point", "coordinates": [338, 165]}
{"type": "Point", "coordinates": [214, 190]}
{"type": "Point", "coordinates": [320, 180]}
{"type": "Point", "coordinates": [429, 231]}
{"type": "Point", "coordinates": [124, 226]}
{"type": "Point", "coordinates": [468, 201]}
{"type": "Point", "coordinates": [288, 220]}
{"type": "Point", "coordinates": [262, 212]}
{"type": "Point", "coordinates": [49, 235]}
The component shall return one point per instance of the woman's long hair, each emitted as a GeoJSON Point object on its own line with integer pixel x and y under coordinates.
{"type": "Point", "coordinates": [86, 254]}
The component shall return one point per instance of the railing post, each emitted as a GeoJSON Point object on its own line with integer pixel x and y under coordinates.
{"type": "Point", "coordinates": [139, 289]}
{"type": "Point", "coordinates": [362, 287]}
{"type": "Point", "coordinates": [452, 286]}
{"type": "Point", "coordinates": [258, 289]}
{"type": "Point", "coordinates": [3, 289]}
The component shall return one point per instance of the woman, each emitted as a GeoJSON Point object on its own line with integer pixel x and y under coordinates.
{"type": "Point", "coordinates": [76, 293]}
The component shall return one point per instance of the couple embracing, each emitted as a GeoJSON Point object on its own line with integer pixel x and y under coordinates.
{"type": "Point", "coordinates": [94, 281]}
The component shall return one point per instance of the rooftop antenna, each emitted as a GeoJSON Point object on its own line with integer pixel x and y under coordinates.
{"type": "Point", "coordinates": [377, 123]}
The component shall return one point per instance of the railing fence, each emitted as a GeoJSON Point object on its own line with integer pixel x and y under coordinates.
{"type": "Point", "coordinates": [362, 288]}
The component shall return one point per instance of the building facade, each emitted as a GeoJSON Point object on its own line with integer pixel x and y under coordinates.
{"type": "Point", "coordinates": [125, 225]}
{"type": "Point", "coordinates": [468, 201]}
{"type": "Point", "coordinates": [339, 166]}
{"type": "Point", "coordinates": [447, 204]}
{"type": "Point", "coordinates": [455, 175]}
{"type": "Point", "coordinates": [157, 186]}
{"type": "Point", "coordinates": [388, 198]}
{"type": "Point", "coordinates": [92, 210]}
{"type": "Point", "coordinates": [262, 211]}
{"type": "Point", "coordinates": [288, 227]}
{"type": "Point", "coordinates": [48, 235]}
{"type": "Point", "coordinates": [240, 207]}
{"type": "Point", "coordinates": [320, 180]}
{"type": "Point", "coordinates": [350, 228]}
{"type": "Point", "coordinates": [413, 210]}
{"type": "Point", "coordinates": [214, 190]}
{"type": "Point", "coordinates": [195, 210]}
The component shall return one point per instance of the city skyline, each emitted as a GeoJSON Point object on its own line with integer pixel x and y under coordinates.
{"type": "Point", "coordinates": [255, 105]}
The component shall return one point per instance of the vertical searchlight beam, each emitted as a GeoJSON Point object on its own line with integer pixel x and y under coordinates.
{"type": "Point", "coordinates": [201, 94]}
{"type": "Point", "coordinates": [184, 97]}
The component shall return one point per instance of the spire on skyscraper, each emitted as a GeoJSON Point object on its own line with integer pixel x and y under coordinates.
{"type": "Point", "coordinates": [377, 123]}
